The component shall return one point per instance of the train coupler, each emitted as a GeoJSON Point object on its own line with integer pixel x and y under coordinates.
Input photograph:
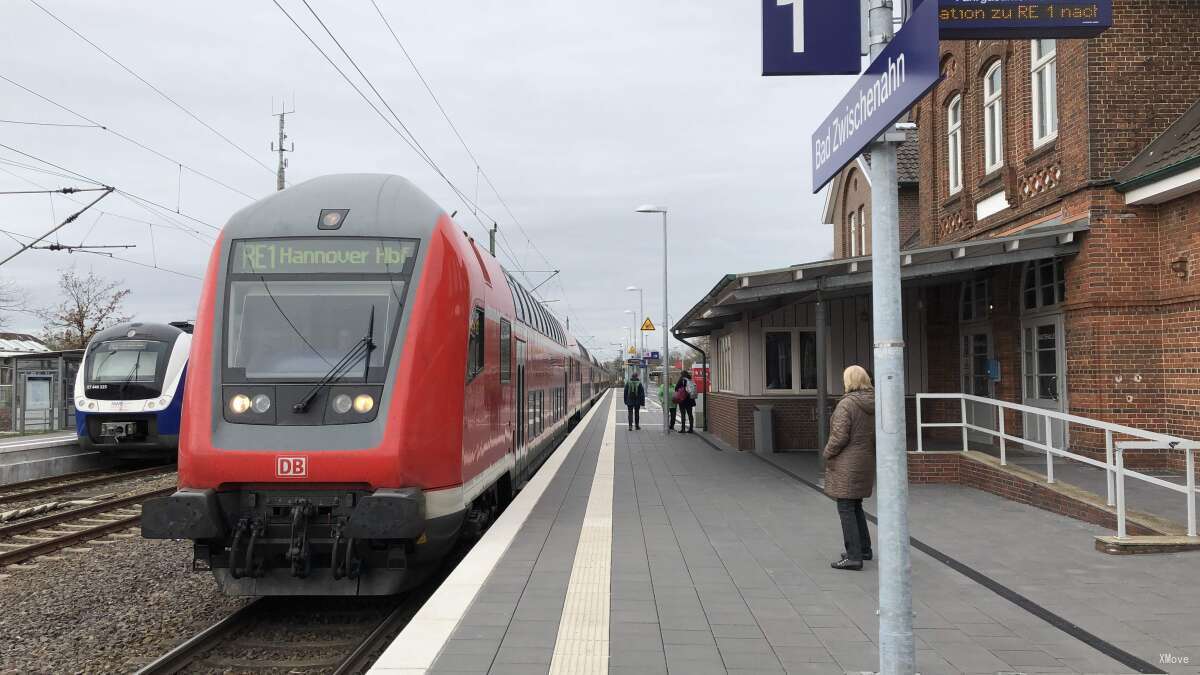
{"type": "Point", "coordinates": [299, 554]}
{"type": "Point", "coordinates": [251, 530]}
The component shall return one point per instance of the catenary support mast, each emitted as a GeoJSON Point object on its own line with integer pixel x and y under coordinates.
{"type": "Point", "coordinates": [897, 654]}
{"type": "Point", "coordinates": [280, 183]}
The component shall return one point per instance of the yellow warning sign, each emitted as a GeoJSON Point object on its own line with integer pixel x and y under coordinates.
{"type": "Point", "coordinates": [633, 350]}
{"type": "Point", "coordinates": [646, 325]}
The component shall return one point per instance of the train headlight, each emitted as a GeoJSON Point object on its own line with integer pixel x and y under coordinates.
{"type": "Point", "coordinates": [91, 405]}
{"type": "Point", "coordinates": [150, 405]}
{"type": "Point", "coordinates": [239, 404]}
{"type": "Point", "coordinates": [341, 404]}
{"type": "Point", "coordinates": [261, 403]}
{"type": "Point", "coordinates": [80, 403]}
{"type": "Point", "coordinates": [363, 404]}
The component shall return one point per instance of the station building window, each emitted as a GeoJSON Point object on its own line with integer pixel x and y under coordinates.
{"type": "Point", "coordinates": [976, 300]}
{"type": "Point", "coordinates": [1044, 284]}
{"type": "Point", "coordinates": [1044, 64]}
{"type": "Point", "coordinates": [853, 234]}
{"type": "Point", "coordinates": [863, 248]}
{"type": "Point", "coordinates": [725, 363]}
{"type": "Point", "coordinates": [993, 119]}
{"type": "Point", "coordinates": [954, 143]}
{"type": "Point", "coordinates": [789, 359]}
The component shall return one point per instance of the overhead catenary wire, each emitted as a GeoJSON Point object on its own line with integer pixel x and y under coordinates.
{"type": "Point", "coordinates": [479, 171]}
{"type": "Point", "coordinates": [51, 124]}
{"type": "Point", "coordinates": [404, 135]}
{"type": "Point", "coordinates": [126, 138]}
{"type": "Point", "coordinates": [156, 90]}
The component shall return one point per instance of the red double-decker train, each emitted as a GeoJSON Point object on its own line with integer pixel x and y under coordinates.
{"type": "Point", "coordinates": [365, 385]}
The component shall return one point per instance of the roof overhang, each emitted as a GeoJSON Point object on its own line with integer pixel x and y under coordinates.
{"type": "Point", "coordinates": [1164, 185]}
{"type": "Point", "coordinates": [755, 293]}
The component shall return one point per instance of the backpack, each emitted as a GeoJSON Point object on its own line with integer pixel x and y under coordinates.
{"type": "Point", "coordinates": [691, 388]}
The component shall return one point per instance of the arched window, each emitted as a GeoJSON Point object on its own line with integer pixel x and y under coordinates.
{"type": "Point", "coordinates": [864, 245]}
{"type": "Point", "coordinates": [993, 119]}
{"type": "Point", "coordinates": [1044, 63]}
{"type": "Point", "coordinates": [954, 143]}
{"type": "Point", "coordinates": [853, 233]}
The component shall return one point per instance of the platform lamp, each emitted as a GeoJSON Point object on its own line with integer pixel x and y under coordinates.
{"type": "Point", "coordinates": [666, 352]}
{"type": "Point", "coordinates": [641, 316]}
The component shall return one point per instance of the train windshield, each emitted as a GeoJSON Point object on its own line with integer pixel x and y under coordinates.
{"type": "Point", "coordinates": [297, 306]}
{"type": "Point", "coordinates": [126, 369]}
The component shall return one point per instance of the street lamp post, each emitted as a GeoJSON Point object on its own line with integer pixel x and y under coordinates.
{"type": "Point", "coordinates": [666, 353]}
{"type": "Point", "coordinates": [641, 315]}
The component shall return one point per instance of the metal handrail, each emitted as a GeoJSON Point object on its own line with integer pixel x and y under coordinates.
{"type": "Point", "coordinates": [1114, 464]}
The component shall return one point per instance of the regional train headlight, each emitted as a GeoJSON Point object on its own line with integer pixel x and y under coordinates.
{"type": "Point", "coordinates": [363, 403]}
{"type": "Point", "coordinates": [341, 404]}
{"type": "Point", "coordinates": [239, 404]}
{"type": "Point", "coordinates": [261, 403]}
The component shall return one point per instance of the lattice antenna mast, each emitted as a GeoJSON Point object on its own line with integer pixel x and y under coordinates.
{"type": "Point", "coordinates": [281, 148]}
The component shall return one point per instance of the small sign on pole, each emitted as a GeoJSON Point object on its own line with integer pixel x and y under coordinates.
{"type": "Point", "coordinates": [647, 325]}
{"type": "Point", "coordinates": [894, 81]}
{"type": "Point", "coordinates": [810, 37]}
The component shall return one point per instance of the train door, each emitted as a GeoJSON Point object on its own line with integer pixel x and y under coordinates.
{"type": "Point", "coordinates": [519, 404]}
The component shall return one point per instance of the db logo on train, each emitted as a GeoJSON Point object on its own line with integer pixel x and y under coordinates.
{"type": "Point", "coordinates": [291, 467]}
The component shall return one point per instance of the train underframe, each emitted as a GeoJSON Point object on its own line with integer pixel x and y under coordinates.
{"type": "Point", "coordinates": [315, 540]}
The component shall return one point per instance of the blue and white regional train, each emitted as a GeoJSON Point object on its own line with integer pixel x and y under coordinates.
{"type": "Point", "coordinates": [129, 390]}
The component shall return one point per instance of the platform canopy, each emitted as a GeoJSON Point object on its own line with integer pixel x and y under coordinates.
{"type": "Point", "coordinates": [755, 293]}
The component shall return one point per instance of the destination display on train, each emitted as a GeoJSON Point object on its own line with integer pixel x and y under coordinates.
{"type": "Point", "coordinates": [323, 255]}
{"type": "Point", "coordinates": [1005, 19]}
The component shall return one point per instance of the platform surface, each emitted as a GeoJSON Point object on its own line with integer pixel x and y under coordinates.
{"type": "Point", "coordinates": [718, 561]}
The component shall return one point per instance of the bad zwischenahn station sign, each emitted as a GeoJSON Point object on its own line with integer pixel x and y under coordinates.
{"type": "Point", "coordinates": [1009, 19]}
{"type": "Point", "coordinates": [894, 81]}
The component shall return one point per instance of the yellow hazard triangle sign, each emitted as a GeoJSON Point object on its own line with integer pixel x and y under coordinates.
{"type": "Point", "coordinates": [647, 325]}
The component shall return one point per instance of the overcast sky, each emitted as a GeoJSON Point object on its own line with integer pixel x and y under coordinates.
{"type": "Point", "coordinates": [578, 111]}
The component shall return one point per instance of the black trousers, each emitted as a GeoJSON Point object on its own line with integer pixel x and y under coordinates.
{"type": "Point", "coordinates": [635, 416]}
{"type": "Point", "coordinates": [686, 421]}
{"type": "Point", "coordinates": [671, 418]}
{"type": "Point", "coordinates": [855, 534]}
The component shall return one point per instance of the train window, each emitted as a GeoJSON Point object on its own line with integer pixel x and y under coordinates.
{"type": "Point", "coordinates": [475, 344]}
{"type": "Point", "coordinates": [505, 350]}
{"type": "Point", "coordinates": [531, 415]}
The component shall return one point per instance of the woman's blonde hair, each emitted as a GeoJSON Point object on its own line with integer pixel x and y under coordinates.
{"type": "Point", "coordinates": [855, 378]}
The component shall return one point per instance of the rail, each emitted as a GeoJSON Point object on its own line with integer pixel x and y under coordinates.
{"type": "Point", "coordinates": [1113, 464]}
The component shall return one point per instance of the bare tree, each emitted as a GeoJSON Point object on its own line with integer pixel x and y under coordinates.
{"type": "Point", "coordinates": [89, 304]}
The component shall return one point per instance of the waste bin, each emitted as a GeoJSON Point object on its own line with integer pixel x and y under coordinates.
{"type": "Point", "coordinates": [764, 429]}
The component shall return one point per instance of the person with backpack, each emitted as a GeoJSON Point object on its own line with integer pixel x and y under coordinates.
{"type": "Point", "coordinates": [635, 398]}
{"type": "Point", "coordinates": [685, 397]}
{"type": "Point", "coordinates": [668, 404]}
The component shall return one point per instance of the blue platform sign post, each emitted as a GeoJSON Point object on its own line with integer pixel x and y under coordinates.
{"type": "Point", "coordinates": [811, 37]}
{"type": "Point", "coordinates": [1022, 19]}
{"type": "Point", "coordinates": [894, 81]}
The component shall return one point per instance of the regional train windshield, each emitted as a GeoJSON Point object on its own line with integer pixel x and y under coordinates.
{"type": "Point", "coordinates": [126, 369]}
{"type": "Point", "coordinates": [296, 307]}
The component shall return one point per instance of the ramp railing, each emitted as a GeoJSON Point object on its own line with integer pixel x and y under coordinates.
{"type": "Point", "coordinates": [1113, 464]}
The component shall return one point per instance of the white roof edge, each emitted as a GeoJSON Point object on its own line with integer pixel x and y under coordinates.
{"type": "Point", "coordinates": [1165, 189]}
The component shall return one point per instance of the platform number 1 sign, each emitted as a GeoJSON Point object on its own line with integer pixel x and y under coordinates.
{"type": "Point", "coordinates": [811, 37]}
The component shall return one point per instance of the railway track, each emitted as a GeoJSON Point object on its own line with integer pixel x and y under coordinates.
{"type": "Point", "coordinates": [294, 635]}
{"type": "Point", "coordinates": [31, 537]}
{"type": "Point", "coordinates": [17, 492]}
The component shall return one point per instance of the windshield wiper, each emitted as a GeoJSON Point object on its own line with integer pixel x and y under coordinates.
{"type": "Point", "coordinates": [362, 348]}
{"type": "Point", "coordinates": [132, 371]}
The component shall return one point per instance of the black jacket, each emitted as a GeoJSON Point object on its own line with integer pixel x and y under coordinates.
{"type": "Point", "coordinates": [635, 394]}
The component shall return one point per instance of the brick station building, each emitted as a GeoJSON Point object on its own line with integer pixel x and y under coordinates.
{"type": "Point", "coordinates": [1050, 215]}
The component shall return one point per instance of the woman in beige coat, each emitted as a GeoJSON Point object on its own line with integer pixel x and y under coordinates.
{"type": "Point", "coordinates": [850, 464]}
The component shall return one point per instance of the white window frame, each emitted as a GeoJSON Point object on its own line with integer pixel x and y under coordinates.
{"type": "Point", "coordinates": [993, 119]}
{"type": "Point", "coordinates": [853, 234]}
{"type": "Point", "coordinates": [954, 143]}
{"type": "Point", "coordinates": [1057, 269]}
{"type": "Point", "coordinates": [863, 248]}
{"type": "Point", "coordinates": [1045, 67]}
{"type": "Point", "coordinates": [797, 373]}
{"type": "Point", "coordinates": [724, 362]}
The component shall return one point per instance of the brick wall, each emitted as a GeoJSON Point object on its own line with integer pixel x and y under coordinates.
{"type": "Point", "coordinates": [910, 211]}
{"type": "Point", "coordinates": [1142, 77]}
